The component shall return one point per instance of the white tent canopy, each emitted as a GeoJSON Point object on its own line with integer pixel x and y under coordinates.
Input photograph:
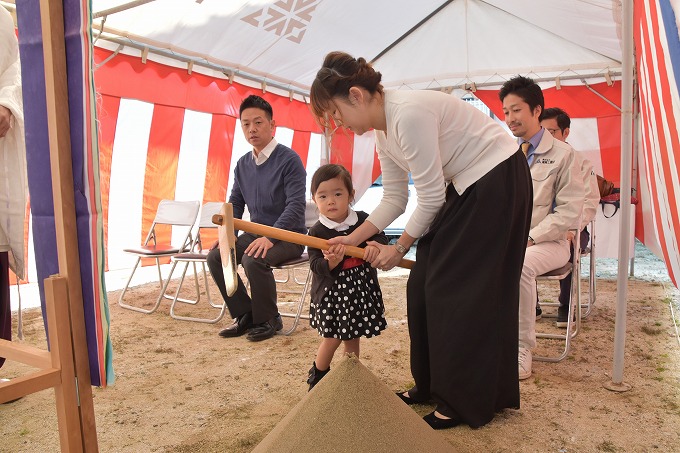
{"type": "Point", "coordinates": [447, 43]}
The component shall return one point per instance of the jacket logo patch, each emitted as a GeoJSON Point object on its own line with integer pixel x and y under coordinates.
{"type": "Point", "coordinates": [545, 160]}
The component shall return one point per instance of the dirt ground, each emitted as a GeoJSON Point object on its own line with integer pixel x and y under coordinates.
{"type": "Point", "coordinates": [181, 388]}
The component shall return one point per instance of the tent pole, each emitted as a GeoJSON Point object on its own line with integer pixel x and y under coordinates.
{"type": "Point", "coordinates": [617, 383]}
{"type": "Point", "coordinates": [636, 142]}
{"type": "Point", "coordinates": [119, 8]}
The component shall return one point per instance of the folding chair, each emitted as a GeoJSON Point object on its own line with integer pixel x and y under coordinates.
{"type": "Point", "coordinates": [300, 263]}
{"type": "Point", "coordinates": [590, 251]}
{"type": "Point", "coordinates": [293, 265]}
{"type": "Point", "coordinates": [574, 314]}
{"type": "Point", "coordinates": [170, 212]}
{"type": "Point", "coordinates": [196, 255]}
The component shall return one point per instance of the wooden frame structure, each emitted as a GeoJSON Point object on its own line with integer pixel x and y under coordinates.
{"type": "Point", "coordinates": [66, 367]}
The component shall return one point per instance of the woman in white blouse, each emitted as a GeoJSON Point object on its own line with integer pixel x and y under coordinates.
{"type": "Point", "coordinates": [471, 222]}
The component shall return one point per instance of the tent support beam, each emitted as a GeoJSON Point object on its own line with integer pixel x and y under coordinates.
{"type": "Point", "coordinates": [119, 8]}
{"type": "Point", "coordinates": [414, 28]}
{"type": "Point", "coordinates": [202, 62]}
{"type": "Point", "coordinates": [617, 383]}
{"type": "Point", "coordinates": [469, 86]}
{"type": "Point", "coordinates": [601, 96]}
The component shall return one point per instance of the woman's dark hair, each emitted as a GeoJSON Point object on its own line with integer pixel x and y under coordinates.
{"type": "Point", "coordinates": [256, 102]}
{"type": "Point", "coordinates": [339, 72]}
{"type": "Point", "coordinates": [525, 88]}
{"type": "Point", "coordinates": [332, 171]}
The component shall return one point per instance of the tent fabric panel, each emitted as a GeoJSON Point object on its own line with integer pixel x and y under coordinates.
{"type": "Point", "coordinates": [479, 31]}
{"type": "Point", "coordinates": [193, 155]}
{"type": "Point", "coordinates": [577, 101]}
{"type": "Point", "coordinates": [286, 42]}
{"type": "Point", "coordinates": [659, 99]}
{"type": "Point", "coordinates": [161, 84]}
{"type": "Point", "coordinates": [160, 176]}
{"type": "Point", "coordinates": [131, 181]}
{"type": "Point", "coordinates": [594, 25]}
{"type": "Point", "coordinates": [363, 162]}
{"type": "Point", "coordinates": [128, 162]}
{"type": "Point", "coordinates": [13, 279]}
{"type": "Point", "coordinates": [85, 172]}
{"type": "Point", "coordinates": [609, 133]}
{"type": "Point", "coordinates": [37, 143]}
{"type": "Point", "coordinates": [280, 41]}
{"type": "Point", "coordinates": [301, 145]}
{"type": "Point", "coordinates": [341, 148]}
{"type": "Point", "coordinates": [585, 139]}
{"type": "Point", "coordinates": [219, 156]}
{"type": "Point", "coordinates": [108, 113]}
{"type": "Point", "coordinates": [84, 155]}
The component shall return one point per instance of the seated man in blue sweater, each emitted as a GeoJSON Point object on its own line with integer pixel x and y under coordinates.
{"type": "Point", "coordinates": [270, 181]}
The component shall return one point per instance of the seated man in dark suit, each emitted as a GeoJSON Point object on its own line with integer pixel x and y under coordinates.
{"type": "Point", "coordinates": [270, 181]}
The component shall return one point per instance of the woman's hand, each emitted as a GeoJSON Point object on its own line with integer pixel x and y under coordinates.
{"type": "Point", "coordinates": [371, 253]}
{"type": "Point", "coordinates": [388, 256]}
{"type": "Point", "coordinates": [344, 240]}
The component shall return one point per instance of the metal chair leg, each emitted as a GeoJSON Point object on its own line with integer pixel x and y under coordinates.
{"type": "Point", "coordinates": [298, 314]}
{"type": "Point", "coordinates": [163, 284]}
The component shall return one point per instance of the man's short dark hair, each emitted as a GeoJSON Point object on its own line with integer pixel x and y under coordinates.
{"type": "Point", "coordinates": [525, 88]}
{"type": "Point", "coordinates": [254, 101]}
{"type": "Point", "coordinates": [563, 120]}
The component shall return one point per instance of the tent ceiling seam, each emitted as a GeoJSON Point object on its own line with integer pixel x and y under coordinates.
{"type": "Point", "coordinates": [551, 32]}
{"type": "Point", "coordinates": [414, 28]}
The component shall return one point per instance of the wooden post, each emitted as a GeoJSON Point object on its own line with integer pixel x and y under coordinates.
{"type": "Point", "coordinates": [61, 351]}
{"type": "Point", "coordinates": [54, 50]}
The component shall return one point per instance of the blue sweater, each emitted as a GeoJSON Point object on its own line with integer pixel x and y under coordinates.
{"type": "Point", "coordinates": [274, 191]}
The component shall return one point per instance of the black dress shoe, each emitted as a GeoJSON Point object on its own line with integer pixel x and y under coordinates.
{"type": "Point", "coordinates": [240, 326]}
{"type": "Point", "coordinates": [440, 423]}
{"type": "Point", "coordinates": [278, 322]}
{"type": "Point", "coordinates": [265, 330]}
{"type": "Point", "coordinates": [408, 400]}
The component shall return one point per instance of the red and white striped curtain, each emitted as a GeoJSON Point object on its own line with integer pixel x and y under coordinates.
{"type": "Point", "coordinates": [657, 47]}
{"type": "Point", "coordinates": [167, 134]}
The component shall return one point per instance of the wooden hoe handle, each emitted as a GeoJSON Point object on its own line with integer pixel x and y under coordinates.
{"type": "Point", "coordinates": [297, 238]}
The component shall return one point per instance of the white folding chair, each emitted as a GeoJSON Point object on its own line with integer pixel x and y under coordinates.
{"type": "Point", "coordinates": [574, 314]}
{"type": "Point", "coordinates": [291, 266]}
{"type": "Point", "coordinates": [180, 214]}
{"type": "Point", "coordinates": [299, 264]}
{"type": "Point", "coordinates": [197, 255]}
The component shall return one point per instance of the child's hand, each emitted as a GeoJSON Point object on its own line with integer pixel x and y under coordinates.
{"type": "Point", "coordinates": [370, 253]}
{"type": "Point", "coordinates": [334, 255]}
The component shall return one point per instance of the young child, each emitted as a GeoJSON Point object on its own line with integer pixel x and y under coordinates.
{"type": "Point", "coordinates": [346, 299]}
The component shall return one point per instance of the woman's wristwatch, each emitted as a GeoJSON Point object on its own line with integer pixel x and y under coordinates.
{"type": "Point", "coordinates": [400, 248]}
{"type": "Point", "coordinates": [532, 240]}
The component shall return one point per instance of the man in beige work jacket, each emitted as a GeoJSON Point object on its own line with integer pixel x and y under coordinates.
{"type": "Point", "coordinates": [558, 201]}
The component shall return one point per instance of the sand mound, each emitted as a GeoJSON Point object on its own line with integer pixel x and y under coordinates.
{"type": "Point", "coordinates": [351, 410]}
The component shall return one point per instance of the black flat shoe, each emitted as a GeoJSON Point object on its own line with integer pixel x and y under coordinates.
{"type": "Point", "coordinates": [440, 423]}
{"type": "Point", "coordinates": [408, 400]}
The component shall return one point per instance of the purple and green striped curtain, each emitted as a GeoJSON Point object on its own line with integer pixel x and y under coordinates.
{"type": "Point", "coordinates": [85, 160]}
